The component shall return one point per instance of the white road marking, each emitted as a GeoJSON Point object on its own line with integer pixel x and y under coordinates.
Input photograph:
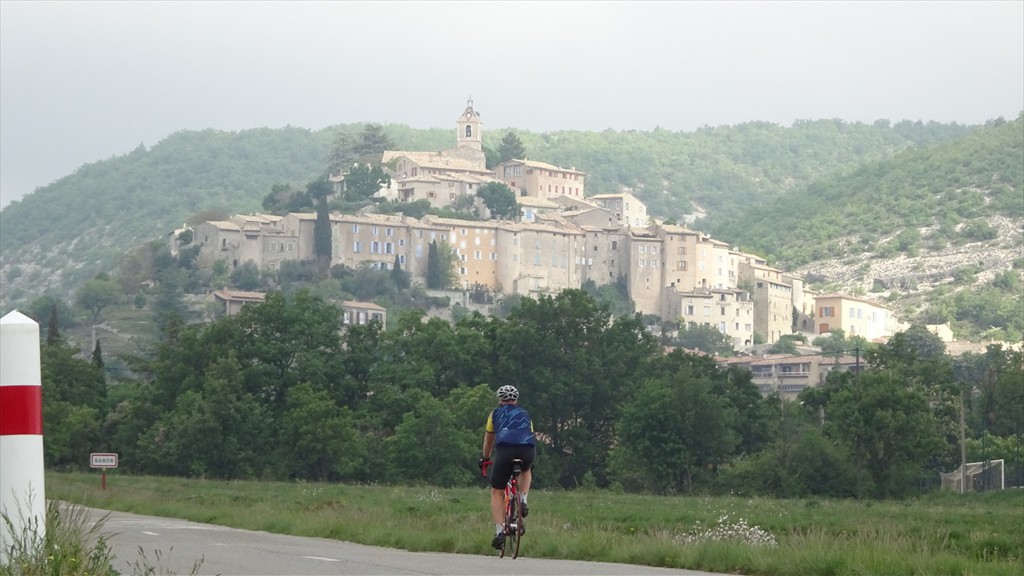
{"type": "Point", "coordinates": [150, 533]}
{"type": "Point", "coordinates": [323, 559]}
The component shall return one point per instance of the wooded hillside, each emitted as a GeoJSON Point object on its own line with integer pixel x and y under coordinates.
{"type": "Point", "coordinates": [813, 190]}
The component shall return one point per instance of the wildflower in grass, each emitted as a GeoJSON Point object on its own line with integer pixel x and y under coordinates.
{"type": "Point", "coordinates": [432, 496]}
{"type": "Point", "coordinates": [726, 531]}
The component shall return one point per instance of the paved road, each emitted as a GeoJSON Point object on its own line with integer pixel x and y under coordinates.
{"type": "Point", "coordinates": [148, 544]}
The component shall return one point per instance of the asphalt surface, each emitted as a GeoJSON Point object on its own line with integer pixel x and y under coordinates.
{"type": "Point", "coordinates": [153, 545]}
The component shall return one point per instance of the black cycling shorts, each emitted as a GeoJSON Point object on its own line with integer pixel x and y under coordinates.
{"type": "Point", "coordinates": [501, 470]}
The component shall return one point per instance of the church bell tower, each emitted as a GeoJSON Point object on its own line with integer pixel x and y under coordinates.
{"type": "Point", "coordinates": [470, 128]}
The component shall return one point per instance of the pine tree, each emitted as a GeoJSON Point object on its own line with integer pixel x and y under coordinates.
{"type": "Point", "coordinates": [52, 331]}
{"type": "Point", "coordinates": [97, 355]}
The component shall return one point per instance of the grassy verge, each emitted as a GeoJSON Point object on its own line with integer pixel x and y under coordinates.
{"type": "Point", "coordinates": [73, 545]}
{"type": "Point", "coordinates": [937, 534]}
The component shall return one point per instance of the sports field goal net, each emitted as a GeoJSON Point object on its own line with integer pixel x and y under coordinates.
{"type": "Point", "coordinates": [980, 476]}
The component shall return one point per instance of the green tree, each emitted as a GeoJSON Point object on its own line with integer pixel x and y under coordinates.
{"type": "Point", "coordinates": [582, 363]}
{"type": "Point", "coordinates": [247, 276]}
{"type": "Point", "coordinates": [322, 245]}
{"type": "Point", "coordinates": [705, 338]}
{"type": "Point", "coordinates": [98, 294]}
{"type": "Point", "coordinates": [889, 428]}
{"type": "Point", "coordinates": [440, 266]}
{"type": "Point", "coordinates": [97, 355]}
{"type": "Point", "coordinates": [319, 440]}
{"type": "Point", "coordinates": [282, 199]}
{"type": "Point", "coordinates": [43, 308]}
{"type": "Point", "coordinates": [74, 405]}
{"type": "Point", "coordinates": [362, 181]}
{"type": "Point", "coordinates": [428, 445]}
{"type": "Point", "coordinates": [499, 199]}
{"type": "Point", "coordinates": [53, 328]}
{"type": "Point", "coordinates": [364, 148]}
{"type": "Point", "coordinates": [511, 148]}
{"type": "Point", "coordinates": [672, 428]}
{"type": "Point", "coordinates": [799, 462]}
{"type": "Point", "coordinates": [997, 397]}
{"type": "Point", "coordinates": [398, 276]}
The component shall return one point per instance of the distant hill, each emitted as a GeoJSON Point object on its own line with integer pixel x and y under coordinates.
{"type": "Point", "coordinates": [814, 190]}
{"type": "Point", "coordinates": [933, 189]}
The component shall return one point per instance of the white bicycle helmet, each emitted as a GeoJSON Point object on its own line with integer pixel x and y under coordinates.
{"type": "Point", "coordinates": [508, 393]}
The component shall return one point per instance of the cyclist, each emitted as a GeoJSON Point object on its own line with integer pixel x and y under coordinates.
{"type": "Point", "coordinates": [509, 432]}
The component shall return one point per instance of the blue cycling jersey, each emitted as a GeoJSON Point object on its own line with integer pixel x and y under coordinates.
{"type": "Point", "coordinates": [511, 425]}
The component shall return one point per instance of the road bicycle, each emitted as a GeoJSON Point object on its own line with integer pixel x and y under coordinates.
{"type": "Point", "coordinates": [514, 527]}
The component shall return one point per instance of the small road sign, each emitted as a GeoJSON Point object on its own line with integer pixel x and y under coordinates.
{"type": "Point", "coordinates": [102, 460]}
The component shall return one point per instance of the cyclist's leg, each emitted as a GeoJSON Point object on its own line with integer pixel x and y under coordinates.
{"type": "Point", "coordinates": [501, 471]}
{"type": "Point", "coordinates": [498, 506]}
{"type": "Point", "coordinates": [528, 454]}
{"type": "Point", "coordinates": [524, 482]}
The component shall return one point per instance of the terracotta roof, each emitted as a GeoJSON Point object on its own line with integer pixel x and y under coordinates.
{"type": "Point", "coordinates": [438, 160]}
{"type": "Point", "coordinates": [224, 225]}
{"type": "Point", "coordinates": [240, 295]}
{"type": "Point", "coordinates": [363, 305]}
{"type": "Point", "coordinates": [536, 202]}
{"type": "Point", "coordinates": [541, 165]}
{"type": "Point", "coordinates": [852, 298]}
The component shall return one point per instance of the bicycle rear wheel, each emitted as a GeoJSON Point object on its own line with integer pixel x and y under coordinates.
{"type": "Point", "coordinates": [514, 527]}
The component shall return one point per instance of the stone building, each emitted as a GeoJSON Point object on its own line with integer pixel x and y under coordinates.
{"type": "Point", "coordinates": [534, 179]}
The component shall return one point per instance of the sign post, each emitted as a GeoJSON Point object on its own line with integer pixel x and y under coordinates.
{"type": "Point", "coordinates": [22, 490]}
{"type": "Point", "coordinates": [103, 460]}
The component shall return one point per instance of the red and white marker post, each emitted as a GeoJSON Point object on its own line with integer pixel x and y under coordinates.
{"type": "Point", "coordinates": [22, 490]}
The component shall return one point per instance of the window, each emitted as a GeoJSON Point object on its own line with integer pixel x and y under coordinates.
{"type": "Point", "coordinates": [388, 231]}
{"type": "Point", "coordinates": [827, 311]}
{"type": "Point", "coordinates": [355, 228]}
{"type": "Point", "coordinates": [723, 310]}
{"type": "Point", "coordinates": [654, 263]}
{"type": "Point", "coordinates": [462, 270]}
{"type": "Point", "coordinates": [469, 131]}
{"type": "Point", "coordinates": [476, 255]}
{"type": "Point", "coordinates": [642, 263]}
{"type": "Point", "coordinates": [389, 247]}
{"type": "Point", "coordinates": [689, 310]}
{"type": "Point", "coordinates": [373, 230]}
{"type": "Point", "coordinates": [654, 249]}
{"type": "Point", "coordinates": [643, 249]}
{"type": "Point", "coordinates": [681, 265]}
{"type": "Point", "coordinates": [494, 256]}
{"type": "Point", "coordinates": [615, 244]}
{"type": "Point", "coordinates": [375, 247]}
{"type": "Point", "coordinates": [357, 246]}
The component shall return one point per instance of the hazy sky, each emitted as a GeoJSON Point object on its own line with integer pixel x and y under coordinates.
{"type": "Point", "coordinates": [84, 81]}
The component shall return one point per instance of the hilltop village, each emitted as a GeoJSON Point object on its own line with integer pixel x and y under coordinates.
{"type": "Point", "coordinates": [562, 238]}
